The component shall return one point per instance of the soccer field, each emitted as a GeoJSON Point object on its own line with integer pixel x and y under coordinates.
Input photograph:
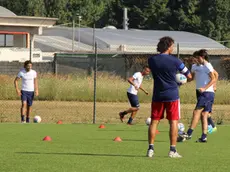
{"type": "Point", "coordinates": [82, 112]}
{"type": "Point", "coordinates": [85, 147]}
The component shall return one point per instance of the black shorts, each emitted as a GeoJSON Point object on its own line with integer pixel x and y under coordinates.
{"type": "Point", "coordinates": [133, 100]}
{"type": "Point", "coordinates": [205, 100]}
{"type": "Point", "coordinates": [27, 96]}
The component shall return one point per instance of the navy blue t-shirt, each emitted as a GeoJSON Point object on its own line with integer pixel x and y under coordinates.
{"type": "Point", "coordinates": [164, 68]}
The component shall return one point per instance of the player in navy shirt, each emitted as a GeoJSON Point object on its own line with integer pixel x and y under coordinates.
{"type": "Point", "coordinates": [164, 68]}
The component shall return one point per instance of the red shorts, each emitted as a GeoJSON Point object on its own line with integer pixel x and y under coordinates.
{"type": "Point", "coordinates": [172, 110]}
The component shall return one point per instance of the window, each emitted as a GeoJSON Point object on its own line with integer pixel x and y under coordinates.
{"type": "Point", "coordinates": [6, 40]}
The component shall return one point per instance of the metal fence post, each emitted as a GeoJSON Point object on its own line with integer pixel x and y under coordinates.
{"type": "Point", "coordinates": [55, 64]}
{"type": "Point", "coordinates": [95, 85]}
{"type": "Point", "coordinates": [73, 34]}
{"type": "Point", "coordinates": [126, 67]}
{"type": "Point", "coordinates": [178, 50]}
{"type": "Point", "coordinates": [30, 54]}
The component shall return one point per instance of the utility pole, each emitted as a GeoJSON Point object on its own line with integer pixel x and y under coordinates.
{"type": "Point", "coordinates": [79, 32]}
{"type": "Point", "coordinates": [73, 33]}
{"type": "Point", "coordinates": [125, 19]}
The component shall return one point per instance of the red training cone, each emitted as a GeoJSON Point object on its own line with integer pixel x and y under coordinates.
{"type": "Point", "coordinates": [59, 122]}
{"type": "Point", "coordinates": [117, 139]}
{"type": "Point", "coordinates": [101, 126]}
{"type": "Point", "coordinates": [47, 138]}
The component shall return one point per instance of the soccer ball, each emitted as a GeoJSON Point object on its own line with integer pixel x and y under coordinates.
{"type": "Point", "coordinates": [148, 121]}
{"type": "Point", "coordinates": [180, 78]}
{"type": "Point", "coordinates": [37, 119]}
{"type": "Point", "coordinates": [210, 129]}
{"type": "Point", "coordinates": [181, 128]}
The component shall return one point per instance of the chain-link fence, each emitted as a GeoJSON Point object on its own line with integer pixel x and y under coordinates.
{"type": "Point", "coordinates": [90, 85]}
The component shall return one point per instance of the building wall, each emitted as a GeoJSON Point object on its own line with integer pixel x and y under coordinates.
{"type": "Point", "coordinates": [20, 54]}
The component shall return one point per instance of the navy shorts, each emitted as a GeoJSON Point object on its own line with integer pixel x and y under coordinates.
{"type": "Point", "coordinates": [205, 100]}
{"type": "Point", "coordinates": [27, 96]}
{"type": "Point", "coordinates": [133, 100]}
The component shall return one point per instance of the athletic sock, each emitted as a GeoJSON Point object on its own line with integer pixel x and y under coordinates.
{"type": "Point", "coordinates": [22, 118]}
{"type": "Point", "coordinates": [173, 148]}
{"type": "Point", "coordinates": [210, 122]}
{"type": "Point", "coordinates": [203, 136]}
{"type": "Point", "coordinates": [151, 146]}
{"type": "Point", "coordinates": [189, 132]}
{"type": "Point", "coordinates": [130, 120]}
{"type": "Point", "coordinates": [27, 120]}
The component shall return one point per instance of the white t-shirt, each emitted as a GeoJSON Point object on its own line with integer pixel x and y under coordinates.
{"type": "Point", "coordinates": [202, 75]}
{"type": "Point", "coordinates": [27, 79]}
{"type": "Point", "coordinates": [138, 78]}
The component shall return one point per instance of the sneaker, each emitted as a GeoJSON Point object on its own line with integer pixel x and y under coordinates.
{"type": "Point", "coordinates": [173, 154]}
{"type": "Point", "coordinates": [23, 122]}
{"type": "Point", "coordinates": [200, 140]}
{"type": "Point", "coordinates": [180, 138]}
{"type": "Point", "coordinates": [184, 136]}
{"type": "Point", "coordinates": [214, 129]}
{"type": "Point", "coordinates": [121, 117]}
{"type": "Point", "coordinates": [188, 137]}
{"type": "Point", "coordinates": [150, 153]}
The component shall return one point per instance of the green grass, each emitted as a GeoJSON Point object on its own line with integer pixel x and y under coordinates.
{"type": "Point", "coordinates": [81, 147]}
{"type": "Point", "coordinates": [110, 88]}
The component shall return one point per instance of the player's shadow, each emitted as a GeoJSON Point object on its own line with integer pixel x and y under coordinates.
{"type": "Point", "coordinates": [141, 140]}
{"type": "Point", "coordinates": [78, 154]}
{"type": "Point", "coordinates": [130, 140]}
{"type": "Point", "coordinates": [119, 130]}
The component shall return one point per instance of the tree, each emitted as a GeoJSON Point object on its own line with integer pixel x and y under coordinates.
{"type": "Point", "coordinates": [156, 15]}
{"type": "Point", "coordinates": [56, 9]}
{"type": "Point", "coordinates": [184, 15]}
{"type": "Point", "coordinates": [112, 15]}
{"type": "Point", "coordinates": [215, 19]}
{"type": "Point", "coordinates": [16, 6]}
{"type": "Point", "coordinates": [36, 8]}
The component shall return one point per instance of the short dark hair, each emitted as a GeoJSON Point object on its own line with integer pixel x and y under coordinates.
{"type": "Point", "coordinates": [203, 53]}
{"type": "Point", "coordinates": [164, 44]}
{"type": "Point", "coordinates": [144, 67]}
{"type": "Point", "coordinates": [27, 62]}
{"type": "Point", "coordinates": [195, 54]}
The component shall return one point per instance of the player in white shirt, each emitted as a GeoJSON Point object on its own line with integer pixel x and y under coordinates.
{"type": "Point", "coordinates": [28, 89]}
{"type": "Point", "coordinates": [205, 77]}
{"type": "Point", "coordinates": [135, 84]}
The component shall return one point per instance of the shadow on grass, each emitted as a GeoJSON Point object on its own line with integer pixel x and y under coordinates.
{"type": "Point", "coordinates": [78, 154]}
{"type": "Point", "coordinates": [130, 140]}
{"type": "Point", "coordinates": [123, 130]}
{"type": "Point", "coordinates": [141, 140]}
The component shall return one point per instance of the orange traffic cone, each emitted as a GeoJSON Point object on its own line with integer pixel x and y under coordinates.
{"type": "Point", "coordinates": [59, 122]}
{"type": "Point", "coordinates": [47, 138]}
{"type": "Point", "coordinates": [101, 126]}
{"type": "Point", "coordinates": [117, 139]}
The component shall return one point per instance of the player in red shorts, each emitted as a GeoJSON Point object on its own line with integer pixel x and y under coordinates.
{"type": "Point", "coordinates": [164, 68]}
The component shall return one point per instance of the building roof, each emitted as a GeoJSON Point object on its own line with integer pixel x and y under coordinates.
{"type": "Point", "coordinates": [129, 41]}
{"type": "Point", "coordinates": [27, 21]}
{"type": "Point", "coordinates": [5, 12]}
{"type": "Point", "coordinates": [59, 44]}
{"type": "Point", "coordinates": [13, 23]}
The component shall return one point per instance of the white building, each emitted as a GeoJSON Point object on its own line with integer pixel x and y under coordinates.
{"type": "Point", "coordinates": [17, 35]}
